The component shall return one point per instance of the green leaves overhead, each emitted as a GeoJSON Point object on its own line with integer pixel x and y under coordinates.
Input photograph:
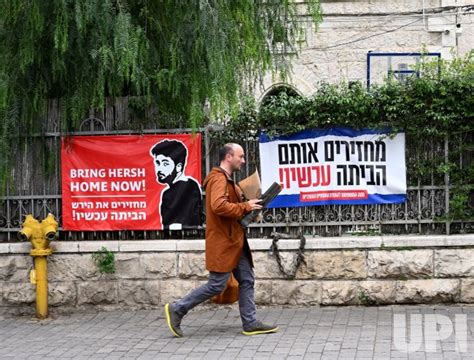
{"type": "Point", "coordinates": [174, 54]}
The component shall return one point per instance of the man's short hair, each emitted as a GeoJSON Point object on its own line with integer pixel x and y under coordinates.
{"type": "Point", "coordinates": [171, 148]}
{"type": "Point", "coordinates": [226, 149]}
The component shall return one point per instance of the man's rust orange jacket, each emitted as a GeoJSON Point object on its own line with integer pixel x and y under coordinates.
{"type": "Point", "coordinates": [225, 237]}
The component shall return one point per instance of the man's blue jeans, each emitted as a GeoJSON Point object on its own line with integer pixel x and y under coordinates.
{"type": "Point", "coordinates": [216, 284]}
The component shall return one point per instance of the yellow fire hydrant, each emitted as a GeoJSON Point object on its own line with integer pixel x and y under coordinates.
{"type": "Point", "coordinates": [40, 234]}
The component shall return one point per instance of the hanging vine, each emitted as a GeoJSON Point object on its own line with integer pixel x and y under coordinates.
{"type": "Point", "coordinates": [172, 54]}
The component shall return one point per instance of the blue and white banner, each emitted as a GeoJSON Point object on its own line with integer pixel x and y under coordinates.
{"type": "Point", "coordinates": [335, 166]}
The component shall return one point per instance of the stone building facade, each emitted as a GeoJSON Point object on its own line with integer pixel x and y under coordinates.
{"type": "Point", "coordinates": [337, 51]}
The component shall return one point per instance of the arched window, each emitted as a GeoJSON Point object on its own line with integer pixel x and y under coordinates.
{"type": "Point", "coordinates": [277, 90]}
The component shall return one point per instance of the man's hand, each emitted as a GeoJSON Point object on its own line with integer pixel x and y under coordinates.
{"type": "Point", "coordinates": [254, 204]}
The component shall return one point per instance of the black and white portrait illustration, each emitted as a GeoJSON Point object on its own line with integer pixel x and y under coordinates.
{"type": "Point", "coordinates": [181, 200]}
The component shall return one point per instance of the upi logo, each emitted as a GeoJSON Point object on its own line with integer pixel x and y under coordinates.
{"type": "Point", "coordinates": [431, 328]}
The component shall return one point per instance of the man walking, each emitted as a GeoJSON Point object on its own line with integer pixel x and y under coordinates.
{"type": "Point", "coordinates": [227, 249]}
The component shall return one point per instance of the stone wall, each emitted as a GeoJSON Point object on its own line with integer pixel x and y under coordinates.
{"type": "Point", "coordinates": [336, 271]}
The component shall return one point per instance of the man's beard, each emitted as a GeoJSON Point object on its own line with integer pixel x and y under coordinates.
{"type": "Point", "coordinates": [236, 167]}
{"type": "Point", "coordinates": [168, 179]}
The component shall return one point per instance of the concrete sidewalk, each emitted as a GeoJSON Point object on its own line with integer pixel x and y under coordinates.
{"type": "Point", "coordinates": [214, 333]}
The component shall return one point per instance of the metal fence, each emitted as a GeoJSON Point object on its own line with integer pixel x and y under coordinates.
{"type": "Point", "coordinates": [37, 178]}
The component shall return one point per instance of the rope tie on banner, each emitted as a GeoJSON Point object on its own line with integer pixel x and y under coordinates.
{"type": "Point", "coordinates": [274, 250]}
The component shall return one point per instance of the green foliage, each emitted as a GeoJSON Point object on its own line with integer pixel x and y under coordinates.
{"type": "Point", "coordinates": [104, 259]}
{"type": "Point", "coordinates": [241, 125]}
{"type": "Point", "coordinates": [341, 104]}
{"type": "Point", "coordinates": [365, 298]}
{"type": "Point", "coordinates": [438, 104]}
{"type": "Point", "coordinates": [172, 54]}
{"type": "Point", "coordinates": [459, 204]}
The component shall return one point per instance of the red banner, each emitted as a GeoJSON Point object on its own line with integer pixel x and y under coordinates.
{"type": "Point", "coordinates": [143, 182]}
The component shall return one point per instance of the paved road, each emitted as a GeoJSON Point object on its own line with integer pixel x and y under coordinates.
{"type": "Point", "coordinates": [214, 333]}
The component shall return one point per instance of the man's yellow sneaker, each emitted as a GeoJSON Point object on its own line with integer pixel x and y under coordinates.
{"type": "Point", "coordinates": [260, 328]}
{"type": "Point", "coordinates": [173, 320]}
